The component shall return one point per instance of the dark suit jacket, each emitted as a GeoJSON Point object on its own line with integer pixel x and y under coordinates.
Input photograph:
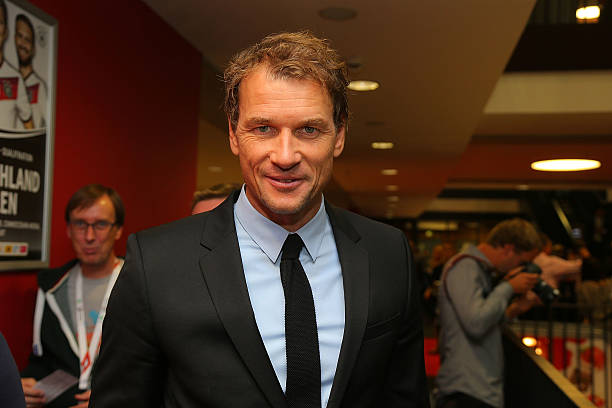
{"type": "Point", "coordinates": [180, 330]}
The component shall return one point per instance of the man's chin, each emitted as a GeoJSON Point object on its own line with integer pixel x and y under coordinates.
{"type": "Point", "coordinates": [279, 205]}
{"type": "Point", "coordinates": [91, 260]}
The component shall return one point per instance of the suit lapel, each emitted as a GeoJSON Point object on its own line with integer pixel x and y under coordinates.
{"type": "Point", "coordinates": [355, 276]}
{"type": "Point", "coordinates": [222, 269]}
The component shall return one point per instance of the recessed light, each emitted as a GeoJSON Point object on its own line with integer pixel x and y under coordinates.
{"type": "Point", "coordinates": [391, 187]}
{"type": "Point", "coordinates": [382, 145]}
{"type": "Point", "coordinates": [337, 13]}
{"type": "Point", "coordinates": [393, 199]}
{"type": "Point", "coordinates": [589, 13]}
{"type": "Point", "coordinates": [565, 165]}
{"type": "Point", "coordinates": [522, 187]}
{"type": "Point", "coordinates": [388, 172]}
{"type": "Point", "coordinates": [215, 169]}
{"type": "Point", "coordinates": [363, 85]}
{"type": "Point", "coordinates": [529, 341]}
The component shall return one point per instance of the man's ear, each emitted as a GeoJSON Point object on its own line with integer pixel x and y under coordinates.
{"type": "Point", "coordinates": [340, 138]}
{"type": "Point", "coordinates": [233, 140]}
{"type": "Point", "coordinates": [118, 233]}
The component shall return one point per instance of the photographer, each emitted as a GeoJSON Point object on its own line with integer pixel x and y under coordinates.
{"type": "Point", "coordinates": [472, 309]}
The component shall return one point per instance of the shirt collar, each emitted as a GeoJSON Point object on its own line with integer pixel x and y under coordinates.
{"type": "Point", "coordinates": [270, 236]}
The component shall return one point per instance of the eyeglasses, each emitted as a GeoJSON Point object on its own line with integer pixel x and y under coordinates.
{"type": "Point", "coordinates": [98, 226]}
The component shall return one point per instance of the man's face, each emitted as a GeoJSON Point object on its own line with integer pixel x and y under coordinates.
{"type": "Point", "coordinates": [24, 43]}
{"type": "Point", "coordinates": [93, 247]}
{"type": "Point", "coordinates": [286, 142]}
{"type": "Point", "coordinates": [512, 258]}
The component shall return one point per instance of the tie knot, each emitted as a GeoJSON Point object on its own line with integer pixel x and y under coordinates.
{"type": "Point", "coordinates": [292, 247]}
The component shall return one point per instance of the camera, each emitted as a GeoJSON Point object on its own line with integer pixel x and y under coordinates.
{"type": "Point", "coordinates": [545, 292]}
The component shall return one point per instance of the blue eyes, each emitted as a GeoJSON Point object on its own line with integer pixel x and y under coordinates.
{"type": "Point", "coordinates": [305, 131]}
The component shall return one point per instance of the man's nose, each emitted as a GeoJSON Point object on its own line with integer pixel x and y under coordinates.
{"type": "Point", "coordinates": [90, 233]}
{"type": "Point", "coordinates": [285, 152]}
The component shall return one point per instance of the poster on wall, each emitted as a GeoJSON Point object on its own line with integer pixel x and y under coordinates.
{"type": "Point", "coordinates": [28, 60]}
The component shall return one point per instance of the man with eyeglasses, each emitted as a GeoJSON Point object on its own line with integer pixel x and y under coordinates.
{"type": "Point", "coordinates": [71, 302]}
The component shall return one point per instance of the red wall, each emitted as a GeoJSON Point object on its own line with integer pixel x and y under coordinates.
{"type": "Point", "coordinates": [126, 116]}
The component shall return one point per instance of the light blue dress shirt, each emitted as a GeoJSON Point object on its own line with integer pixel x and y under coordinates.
{"type": "Point", "coordinates": [261, 241]}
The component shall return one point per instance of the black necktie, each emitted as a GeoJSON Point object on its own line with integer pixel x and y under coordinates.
{"type": "Point", "coordinates": [301, 339]}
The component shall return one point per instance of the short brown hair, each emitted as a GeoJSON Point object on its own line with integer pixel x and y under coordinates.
{"type": "Point", "coordinates": [518, 232]}
{"type": "Point", "coordinates": [290, 55]}
{"type": "Point", "coordinates": [86, 196]}
{"type": "Point", "coordinates": [217, 191]}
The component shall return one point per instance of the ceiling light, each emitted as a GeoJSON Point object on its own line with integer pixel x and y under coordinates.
{"type": "Point", "coordinates": [388, 172]}
{"type": "Point", "coordinates": [363, 85]}
{"type": "Point", "coordinates": [393, 199]}
{"type": "Point", "coordinates": [538, 351]}
{"type": "Point", "coordinates": [337, 13]}
{"type": "Point", "coordinates": [382, 145]}
{"type": "Point", "coordinates": [522, 187]}
{"type": "Point", "coordinates": [565, 165]}
{"type": "Point", "coordinates": [588, 14]}
{"type": "Point", "coordinates": [215, 169]}
{"type": "Point", "coordinates": [529, 341]}
{"type": "Point", "coordinates": [391, 187]}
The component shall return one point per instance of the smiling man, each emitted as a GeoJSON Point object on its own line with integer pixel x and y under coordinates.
{"type": "Point", "coordinates": [72, 299]}
{"type": "Point", "coordinates": [36, 87]}
{"type": "Point", "coordinates": [15, 109]}
{"type": "Point", "coordinates": [275, 298]}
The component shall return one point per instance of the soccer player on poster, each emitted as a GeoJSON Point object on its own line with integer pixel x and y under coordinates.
{"type": "Point", "coordinates": [35, 86]}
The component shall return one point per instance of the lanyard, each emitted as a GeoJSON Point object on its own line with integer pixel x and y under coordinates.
{"type": "Point", "coordinates": [88, 355]}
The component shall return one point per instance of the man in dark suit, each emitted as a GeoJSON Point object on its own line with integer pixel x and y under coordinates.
{"type": "Point", "coordinates": [275, 298]}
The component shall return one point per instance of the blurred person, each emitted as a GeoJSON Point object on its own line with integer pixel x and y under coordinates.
{"type": "Point", "coordinates": [440, 254]}
{"type": "Point", "coordinates": [14, 105]}
{"type": "Point", "coordinates": [211, 197]}
{"type": "Point", "coordinates": [11, 394]}
{"type": "Point", "coordinates": [71, 301]}
{"type": "Point", "coordinates": [554, 268]}
{"type": "Point", "coordinates": [275, 298]}
{"type": "Point", "coordinates": [36, 88]}
{"type": "Point", "coordinates": [472, 309]}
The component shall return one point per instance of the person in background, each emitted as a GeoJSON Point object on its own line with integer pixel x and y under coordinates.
{"type": "Point", "coordinates": [472, 309]}
{"type": "Point", "coordinates": [211, 197]}
{"type": "Point", "coordinates": [11, 394]}
{"type": "Point", "coordinates": [554, 268]}
{"type": "Point", "coordinates": [71, 301]}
